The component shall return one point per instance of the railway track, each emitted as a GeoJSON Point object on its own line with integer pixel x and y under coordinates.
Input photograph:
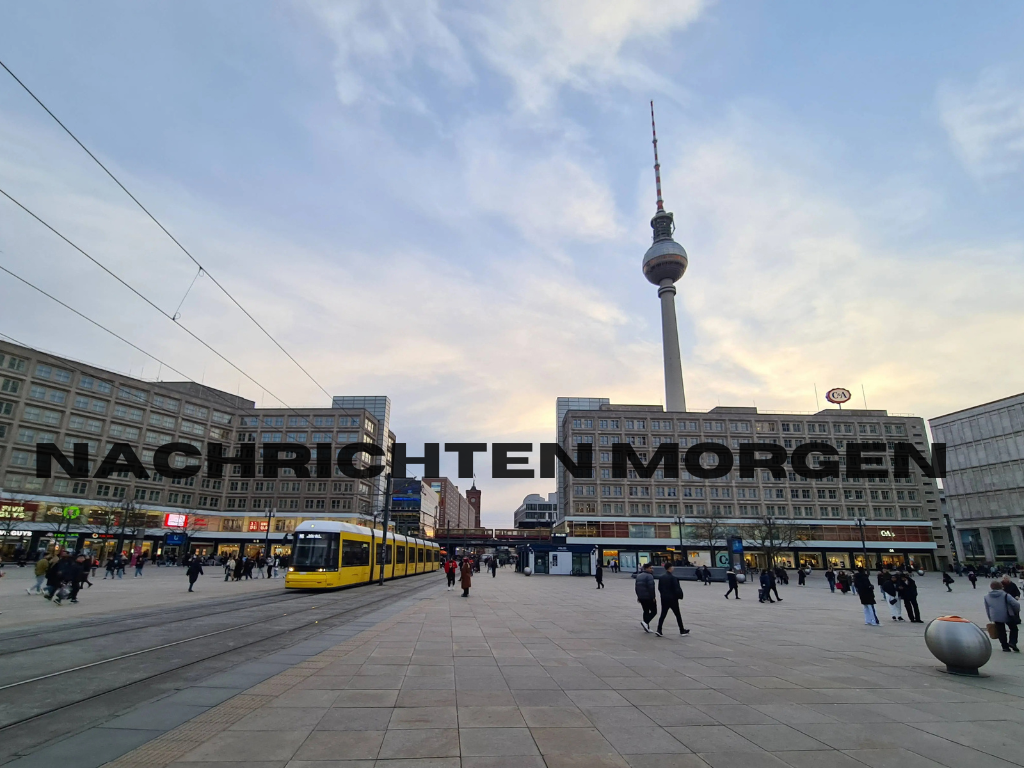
{"type": "Point", "coordinates": [48, 703]}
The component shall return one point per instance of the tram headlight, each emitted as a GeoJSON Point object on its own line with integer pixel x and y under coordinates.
{"type": "Point", "coordinates": [290, 569]}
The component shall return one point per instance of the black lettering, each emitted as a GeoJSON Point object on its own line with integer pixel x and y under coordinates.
{"type": "Point", "coordinates": [825, 469]}
{"type": "Point", "coordinates": [215, 460]}
{"type": "Point", "coordinates": [273, 461]}
{"type": "Point", "coordinates": [132, 463]}
{"type": "Point", "coordinates": [46, 452]}
{"type": "Point", "coordinates": [667, 453]}
{"type": "Point", "coordinates": [500, 460]}
{"type": "Point", "coordinates": [465, 451]}
{"type": "Point", "coordinates": [856, 461]}
{"type": "Point", "coordinates": [776, 463]}
{"type": "Point", "coordinates": [162, 463]}
{"type": "Point", "coordinates": [582, 468]}
{"type": "Point", "coordinates": [347, 464]}
{"type": "Point", "coordinates": [431, 460]}
{"type": "Point", "coordinates": [695, 468]}
{"type": "Point", "coordinates": [905, 451]}
{"type": "Point", "coordinates": [323, 460]}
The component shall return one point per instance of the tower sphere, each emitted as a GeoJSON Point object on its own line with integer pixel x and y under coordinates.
{"type": "Point", "coordinates": [665, 259]}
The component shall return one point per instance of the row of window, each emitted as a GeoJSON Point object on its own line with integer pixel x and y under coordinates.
{"type": "Point", "coordinates": [760, 427]}
{"type": "Point", "coordinates": [746, 510]}
{"type": "Point", "coordinates": [302, 421]}
{"type": "Point", "coordinates": [335, 505]}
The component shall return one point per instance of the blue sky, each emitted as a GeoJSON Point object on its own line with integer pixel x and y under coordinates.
{"type": "Point", "coordinates": [448, 202]}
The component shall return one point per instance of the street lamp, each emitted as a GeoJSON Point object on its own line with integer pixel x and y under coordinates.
{"type": "Point", "coordinates": [386, 522]}
{"type": "Point", "coordinates": [127, 512]}
{"type": "Point", "coordinates": [683, 555]}
{"type": "Point", "coordinates": [863, 542]}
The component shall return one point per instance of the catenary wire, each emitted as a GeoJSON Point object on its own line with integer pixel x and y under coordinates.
{"type": "Point", "coordinates": [162, 227]}
{"type": "Point", "coordinates": [141, 296]}
{"type": "Point", "coordinates": [108, 330]}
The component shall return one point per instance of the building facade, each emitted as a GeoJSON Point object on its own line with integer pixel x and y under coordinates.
{"type": "Point", "coordinates": [454, 510]}
{"type": "Point", "coordinates": [414, 507]}
{"type": "Point", "coordinates": [48, 399]}
{"type": "Point", "coordinates": [816, 522]}
{"type": "Point", "coordinates": [984, 484]}
{"type": "Point", "coordinates": [473, 497]}
{"type": "Point", "coordinates": [536, 511]}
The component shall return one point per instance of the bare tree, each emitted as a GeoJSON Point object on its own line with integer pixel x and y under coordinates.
{"type": "Point", "coordinates": [774, 535]}
{"type": "Point", "coordinates": [710, 529]}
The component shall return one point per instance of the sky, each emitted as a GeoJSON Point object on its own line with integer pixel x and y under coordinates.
{"type": "Point", "coordinates": [448, 203]}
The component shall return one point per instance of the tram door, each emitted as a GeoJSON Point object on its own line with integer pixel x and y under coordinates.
{"type": "Point", "coordinates": [540, 562]}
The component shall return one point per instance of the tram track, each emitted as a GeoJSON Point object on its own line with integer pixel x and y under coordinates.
{"type": "Point", "coordinates": [291, 633]}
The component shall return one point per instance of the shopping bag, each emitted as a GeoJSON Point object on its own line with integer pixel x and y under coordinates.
{"type": "Point", "coordinates": [992, 631]}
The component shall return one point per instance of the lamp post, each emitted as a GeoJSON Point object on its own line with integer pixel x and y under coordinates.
{"type": "Point", "coordinates": [271, 514]}
{"type": "Point", "coordinates": [682, 552]}
{"type": "Point", "coordinates": [863, 542]}
{"type": "Point", "coordinates": [127, 511]}
{"type": "Point", "coordinates": [387, 520]}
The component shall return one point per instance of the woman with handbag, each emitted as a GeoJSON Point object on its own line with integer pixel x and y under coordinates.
{"type": "Point", "coordinates": [1003, 610]}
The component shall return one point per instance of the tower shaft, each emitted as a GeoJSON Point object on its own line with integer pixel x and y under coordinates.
{"type": "Point", "coordinates": [675, 397]}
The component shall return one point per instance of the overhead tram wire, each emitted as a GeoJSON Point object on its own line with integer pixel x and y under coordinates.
{"type": "Point", "coordinates": [163, 228]}
{"type": "Point", "coordinates": [141, 296]}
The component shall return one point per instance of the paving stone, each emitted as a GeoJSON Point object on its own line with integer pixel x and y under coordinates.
{"type": "Point", "coordinates": [424, 717]}
{"type": "Point", "coordinates": [554, 741]}
{"type": "Point", "coordinates": [420, 743]}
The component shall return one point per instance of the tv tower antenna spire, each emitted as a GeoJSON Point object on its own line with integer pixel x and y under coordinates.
{"type": "Point", "coordinates": [657, 165]}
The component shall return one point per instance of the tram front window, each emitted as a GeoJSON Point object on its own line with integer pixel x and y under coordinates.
{"type": "Point", "coordinates": [316, 551]}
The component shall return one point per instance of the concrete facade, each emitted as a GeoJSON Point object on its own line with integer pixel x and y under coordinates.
{"type": "Point", "coordinates": [536, 511]}
{"type": "Point", "coordinates": [454, 510]}
{"type": "Point", "coordinates": [984, 485]}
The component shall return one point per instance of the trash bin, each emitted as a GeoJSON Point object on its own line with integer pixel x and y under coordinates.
{"type": "Point", "coordinates": [961, 645]}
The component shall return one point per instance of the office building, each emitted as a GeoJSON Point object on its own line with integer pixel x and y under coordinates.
{"type": "Point", "coordinates": [50, 399]}
{"type": "Point", "coordinates": [984, 483]}
{"type": "Point", "coordinates": [536, 511]}
{"type": "Point", "coordinates": [454, 510]}
{"type": "Point", "coordinates": [414, 507]}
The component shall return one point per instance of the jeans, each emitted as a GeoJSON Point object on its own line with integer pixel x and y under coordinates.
{"type": "Point", "coordinates": [832, 586]}
{"type": "Point", "coordinates": [39, 584]}
{"type": "Point", "coordinates": [1001, 629]}
{"type": "Point", "coordinates": [733, 588]}
{"type": "Point", "coordinates": [665, 608]}
{"type": "Point", "coordinates": [138, 572]}
{"type": "Point", "coordinates": [913, 612]}
{"type": "Point", "coordinates": [650, 610]}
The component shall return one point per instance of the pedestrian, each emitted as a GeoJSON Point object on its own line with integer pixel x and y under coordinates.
{"type": "Point", "coordinates": [120, 562]}
{"type": "Point", "coordinates": [449, 572]}
{"type": "Point", "coordinates": [830, 577]}
{"type": "Point", "coordinates": [973, 578]}
{"type": "Point", "coordinates": [42, 566]}
{"type": "Point", "coordinates": [467, 577]}
{"type": "Point", "coordinates": [774, 584]}
{"type": "Point", "coordinates": [801, 577]}
{"type": "Point", "coordinates": [908, 593]}
{"type": "Point", "coordinates": [1003, 610]}
{"type": "Point", "coordinates": [250, 563]}
{"type": "Point", "coordinates": [229, 568]}
{"type": "Point", "coordinates": [947, 580]}
{"type": "Point", "coordinates": [57, 575]}
{"type": "Point", "coordinates": [239, 567]}
{"type": "Point", "coordinates": [671, 593]}
{"type": "Point", "coordinates": [79, 574]}
{"type": "Point", "coordinates": [734, 584]}
{"type": "Point", "coordinates": [139, 562]}
{"type": "Point", "coordinates": [765, 594]}
{"type": "Point", "coordinates": [1010, 588]}
{"type": "Point", "coordinates": [494, 567]}
{"type": "Point", "coordinates": [889, 589]}
{"type": "Point", "coordinates": [866, 593]}
{"type": "Point", "coordinates": [599, 575]}
{"type": "Point", "coordinates": [707, 576]}
{"type": "Point", "coordinates": [646, 596]}
{"type": "Point", "coordinates": [195, 570]}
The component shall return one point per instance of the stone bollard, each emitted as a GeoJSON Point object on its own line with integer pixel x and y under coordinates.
{"type": "Point", "coordinates": [961, 645]}
{"type": "Point", "coordinates": [741, 578]}
{"type": "Point", "coordinates": [527, 571]}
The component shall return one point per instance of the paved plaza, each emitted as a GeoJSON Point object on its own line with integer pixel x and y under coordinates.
{"type": "Point", "coordinates": [158, 587]}
{"type": "Point", "coordinates": [548, 671]}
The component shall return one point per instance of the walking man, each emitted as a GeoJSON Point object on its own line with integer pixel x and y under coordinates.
{"type": "Point", "coordinates": [195, 570]}
{"type": "Point", "coordinates": [866, 593]}
{"type": "Point", "coordinates": [830, 577]}
{"type": "Point", "coordinates": [229, 568]}
{"type": "Point", "coordinates": [139, 562]}
{"type": "Point", "coordinates": [671, 593]}
{"type": "Point", "coordinates": [449, 572]}
{"type": "Point", "coordinates": [908, 593]}
{"type": "Point", "coordinates": [494, 567]}
{"type": "Point", "coordinates": [765, 595]}
{"type": "Point", "coordinates": [599, 575]}
{"type": "Point", "coordinates": [973, 578]}
{"type": "Point", "coordinates": [734, 585]}
{"type": "Point", "coordinates": [42, 566]}
{"type": "Point", "coordinates": [645, 595]}
{"type": "Point", "coordinates": [467, 577]}
{"type": "Point", "coordinates": [947, 580]}
{"type": "Point", "coordinates": [1003, 610]}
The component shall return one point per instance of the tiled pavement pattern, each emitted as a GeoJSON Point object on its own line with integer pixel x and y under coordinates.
{"type": "Point", "coordinates": [542, 671]}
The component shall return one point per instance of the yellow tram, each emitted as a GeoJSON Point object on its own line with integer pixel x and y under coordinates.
{"type": "Point", "coordinates": [329, 554]}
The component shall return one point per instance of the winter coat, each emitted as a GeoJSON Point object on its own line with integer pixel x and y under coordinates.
{"type": "Point", "coordinates": [888, 587]}
{"type": "Point", "coordinates": [766, 580]}
{"type": "Point", "coordinates": [732, 579]}
{"type": "Point", "coordinates": [1000, 607]}
{"type": "Point", "coordinates": [669, 589]}
{"type": "Point", "coordinates": [1011, 589]}
{"type": "Point", "coordinates": [908, 589]}
{"type": "Point", "coordinates": [644, 586]}
{"type": "Point", "coordinates": [865, 590]}
{"type": "Point", "coordinates": [42, 566]}
{"type": "Point", "coordinates": [467, 575]}
{"type": "Point", "coordinates": [195, 569]}
{"type": "Point", "coordinates": [830, 576]}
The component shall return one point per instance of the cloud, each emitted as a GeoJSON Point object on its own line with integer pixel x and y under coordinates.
{"type": "Point", "coordinates": [538, 46]}
{"type": "Point", "coordinates": [985, 123]}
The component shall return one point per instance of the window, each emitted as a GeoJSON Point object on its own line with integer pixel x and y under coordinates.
{"type": "Point", "coordinates": [158, 420]}
{"type": "Point", "coordinates": [323, 421]}
{"type": "Point", "coordinates": [128, 393]}
{"type": "Point", "coordinates": [167, 403]}
{"type": "Point", "coordinates": [192, 427]}
{"type": "Point", "coordinates": [271, 437]}
{"type": "Point", "coordinates": [295, 437]}
{"type": "Point", "coordinates": [15, 364]}
{"type": "Point", "coordinates": [124, 412]}
{"type": "Point", "coordinates": [13, 386]}
{"type": "Point", "coordinates": [198, 411]}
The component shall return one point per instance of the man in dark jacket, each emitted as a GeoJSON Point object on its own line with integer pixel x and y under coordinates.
{"type": "Point", "coordinates": [908, 594]}
{"type": "Point", "coordinates": [645, 595]}
{"type": "Point", "coordinates": [599, 575]}
{"type": "Point", "coordinates": [767, 581]}
{"type": "Point", "coordinates": [79, 571]}
{"type": "Point", "coordinates": [1010, 588]}
{"type": "Point", "coordinates": [671, 593]}
{"type": "Point", "coordinates": [734, 585]}
{"type": "Point", "coordinates": [195, 570]}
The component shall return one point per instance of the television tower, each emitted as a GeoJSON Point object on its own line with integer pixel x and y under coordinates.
{"type": "Point", "coordinates": [664, 263]}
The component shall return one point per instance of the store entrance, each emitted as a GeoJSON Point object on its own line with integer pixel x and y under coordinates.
{"type": "Point", "coordinates": [540, 562]}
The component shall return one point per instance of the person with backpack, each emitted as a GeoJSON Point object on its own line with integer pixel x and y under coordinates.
{"type": "Point", "coordinates": [646, 596]}
{"type": "Point", "coordinates": [1003, 610]}
{"type": "Point", "coordinates": [671, 593]}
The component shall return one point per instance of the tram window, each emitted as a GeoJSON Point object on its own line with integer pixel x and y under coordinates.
{"type": "Point", "coordinates": [316, 550]}
{"type": "Point", "coordinates": [381, 555]}
{"type": "Point", "coordinates": [400, 558]}
{"type": "Point", "coordinates": [354, 553]}
{"type": "Point", "coordinates": [419, 555]}
{"type": "Point", "coordinates": [436, 555]}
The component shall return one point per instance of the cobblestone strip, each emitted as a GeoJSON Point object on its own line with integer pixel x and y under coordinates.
{"type": "Point", "coordinates": [166, 749]}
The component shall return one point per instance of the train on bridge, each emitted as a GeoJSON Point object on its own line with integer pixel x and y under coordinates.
{"type": "Point", "coordinates": [509, 535]}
